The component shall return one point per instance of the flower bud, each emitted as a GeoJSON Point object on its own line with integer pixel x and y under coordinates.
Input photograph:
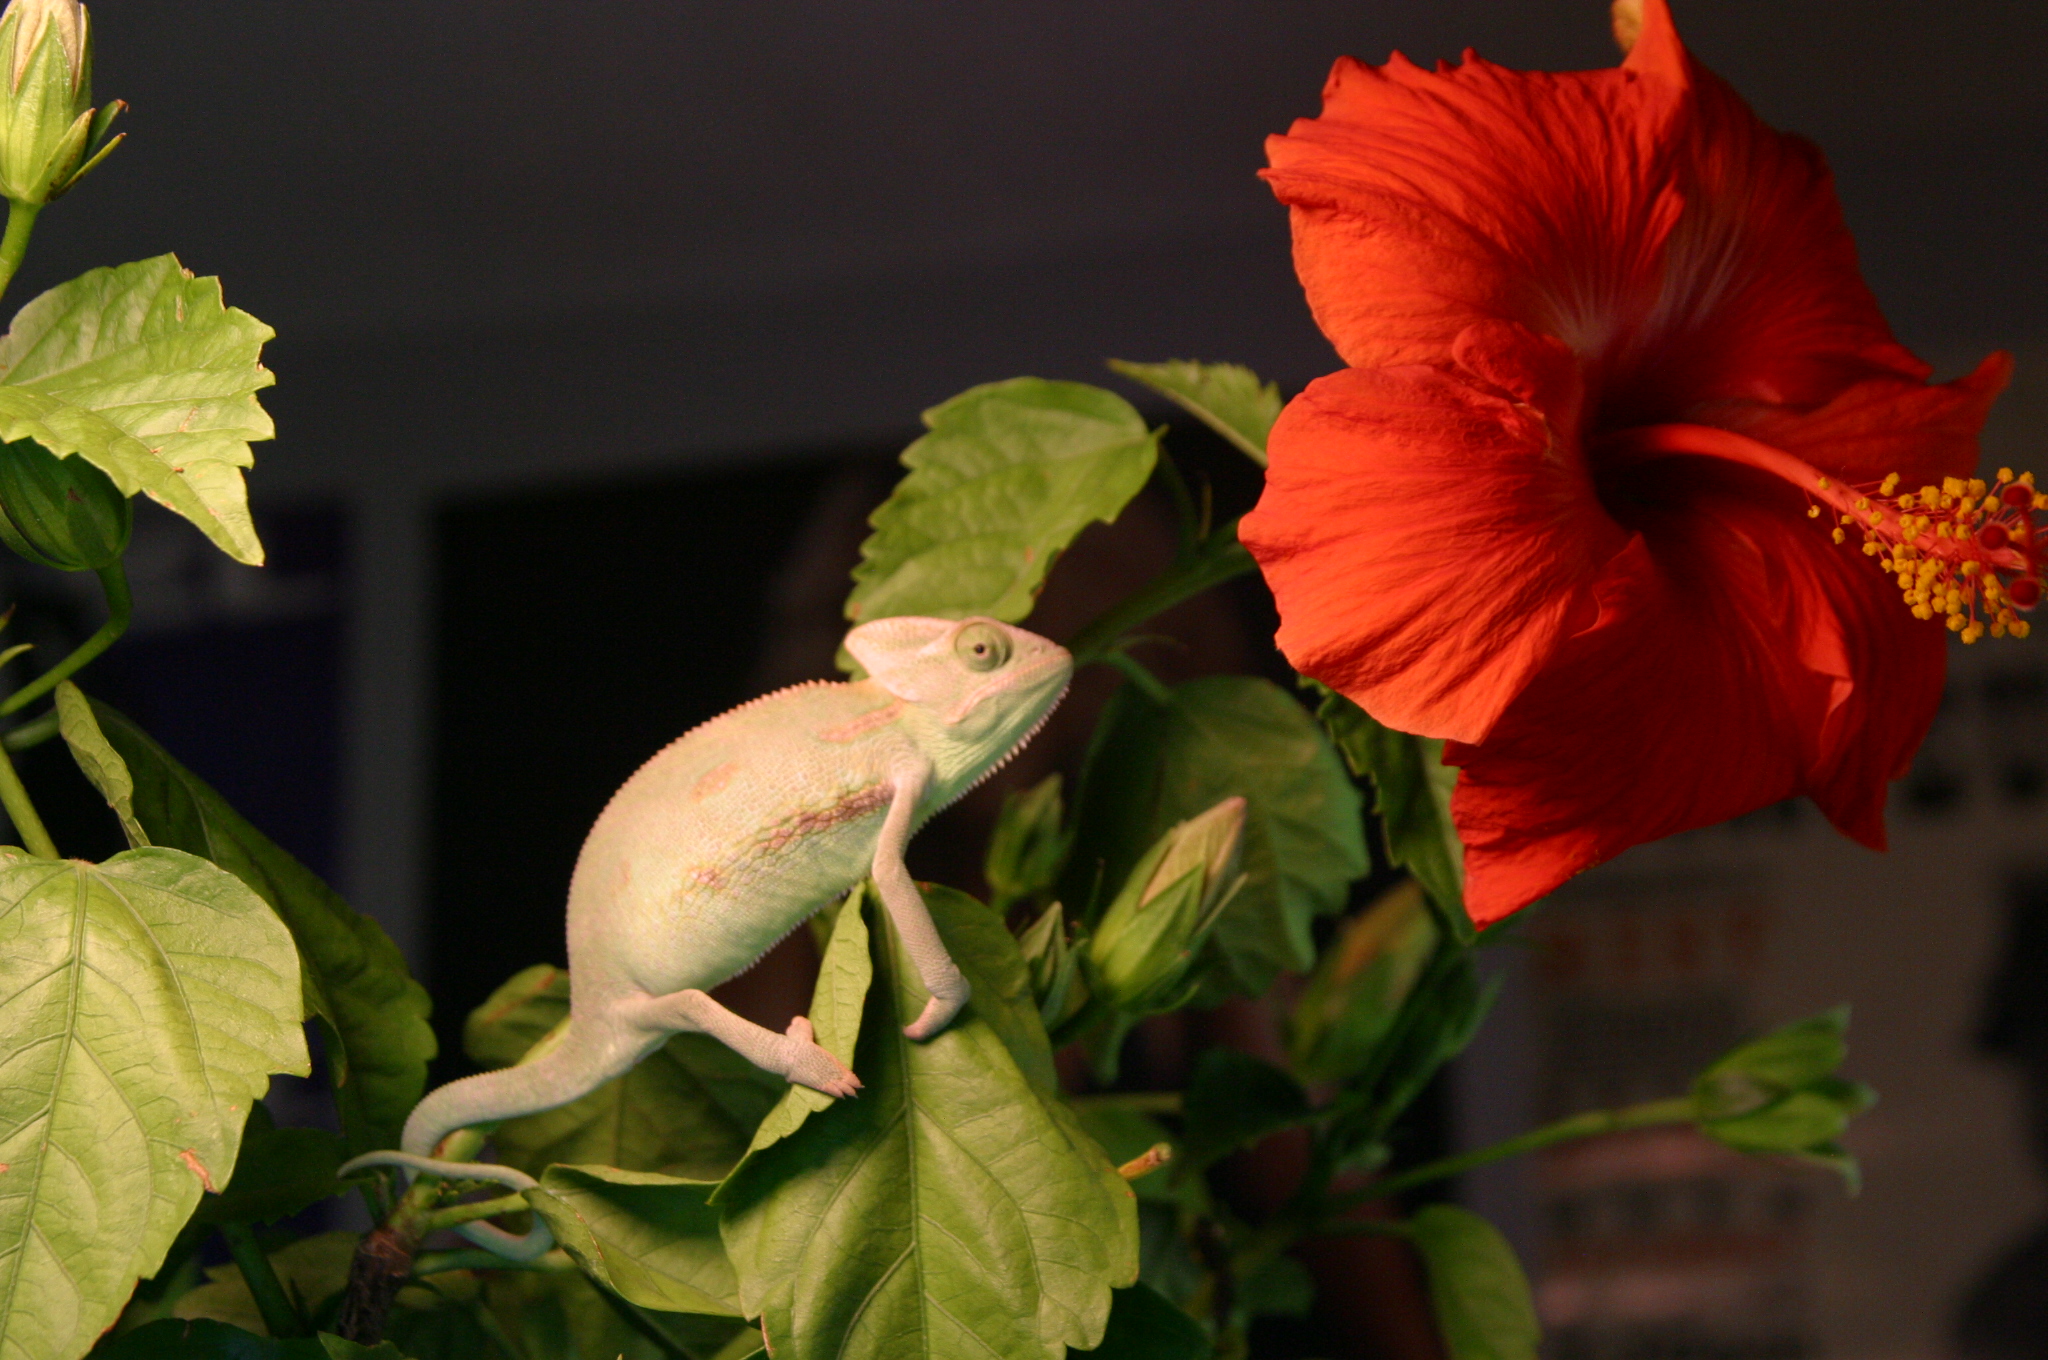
{"type": "Point", "coordinates": [50, 134]}
{"type": "Point", "coordinates": [1147, 940]}
{"type": "Point", "coordinates": [1780, 1093]}
{"type": "Point", "coordinates": [61, 512]}
{"type": "Point", "coordinates": [1359, 985]}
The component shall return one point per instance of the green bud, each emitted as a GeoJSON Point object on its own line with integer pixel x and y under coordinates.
{"type": "Point", "coordinates": [1054, 965]}
{"type": "Point", "coordinates": [50, 133]}
{"type": "Point", "coordinates": [1780, 1093]}
{"type": "Point", "coordinates": [1359, 985]}
{"type": "Point", "coordinates": [1026, 850]}
{"type": "Point", "coordinates": [61, 512]}
{"type": "Point", "coordinates": [1147, 940]}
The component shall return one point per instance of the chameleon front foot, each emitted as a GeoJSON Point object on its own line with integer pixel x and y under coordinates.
{"type": "Point", "coordinates": [938, 1013]}
{"type": "Point", "coordinates": [812, 1066]}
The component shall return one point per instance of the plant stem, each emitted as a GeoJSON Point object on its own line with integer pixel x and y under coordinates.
{"type": "Point", "coordinates": [455, 1215]}
{"type": "Point", "coordinates": [476, 1258]}
{"type": "Point", "coordinates": [1593, 1123]}
{"type": "Point", "coordinates": [14, 797]}
{"type": "Point", "coordinates": [34, 732]}
{"type": "Point", "coordinates": [21, 220]}
{"type": "Point", "coordinates": [1137, 1102]}
{"type": "Point", "coordinates": [1218, 558]}
{"type": "Point", "coordinates": [114, 581]}
{"type": "Point", "coordinates": [280, 1319]}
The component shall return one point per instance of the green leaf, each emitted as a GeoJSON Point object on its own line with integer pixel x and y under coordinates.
{"type": "Point", "coordinates": [144, 1003]}
{"type": "Point", "coordinates": [279, 1172]}
{"type": "Point", "coordinates": [836, 1003]}
{"type": "Point", "coordinates": [690, 1107]}
{"type": "Point", "coordinates": [651, 1239]}
{"type": "Point", "coordinates": [1228, 398]}
{"type": "Point", "coordinates": [1009, 474]}
{"type": "Point", "coordinates": [1480, 1294]}
{"type": "Point", "coordinates": [100, 763]}
{"type": "Point", "coordinates": [142, 371]}
{"type": "Point", "coordinates": [1414, 800]}
{"type": "Point", "coordinates": [179, 1339]}
{"type": "Point", "coordinates": [1026, 849]}
{"type": "Point", "coordinates": [355, 980]}
{"type": "Point", "coordinates": [955, 1208]}
{"type": "Point", "coordinates": [1144, 1326]}
{"type": "Point", "coordinates": [1232, 1101]}
{"type": "Point", "coordinates": [1153, 764]}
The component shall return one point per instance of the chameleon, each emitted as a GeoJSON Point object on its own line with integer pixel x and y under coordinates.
{"type": "Point", "coordinates": [730, 838]}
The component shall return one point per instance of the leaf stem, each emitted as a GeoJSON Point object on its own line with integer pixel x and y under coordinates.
{"type": "Point", "coordinates": [280, 1319]}
{"type": "Point", "coordinates": [21, 220]}
{"type": "Point", "coordinates": [114, 581]}
{"type": "Point", "coordinates": [1216, 559]}
{"type": "Point", "coordinates": [1593, 1123]}
{"type": "Point", "coordinates": [14, 797]}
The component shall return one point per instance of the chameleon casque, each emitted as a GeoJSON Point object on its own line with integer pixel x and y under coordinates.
{"type": "Point", "coordinates": [734, 835]}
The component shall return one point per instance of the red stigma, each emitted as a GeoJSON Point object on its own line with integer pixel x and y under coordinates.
{"type": "Point", "coordinates": [2025, 592]}
{"type": "Point", "coordinates": [1993, 537]}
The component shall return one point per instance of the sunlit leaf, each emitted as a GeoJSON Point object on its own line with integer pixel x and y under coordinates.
{"type": "Point", "coordinates": [955, 1208]}
{"type": "Point", "coordinates": [145, 1002]}
{"type": "Point", "coordinates": [1228, 398]}
{"type": "Point", "coordinates": [144, 373]}
{"type": "Point", "coordinates": [354, 978]}
{"type": "Point", "coordinates": [844, 975]}
{"type": "Point", "coordinates": [1008, 475]}
{"type": "Point", "coordinates": [649, 1238]}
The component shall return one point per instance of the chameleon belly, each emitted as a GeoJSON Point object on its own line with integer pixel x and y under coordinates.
{"type": "Point", "coordinates": [732, 836]}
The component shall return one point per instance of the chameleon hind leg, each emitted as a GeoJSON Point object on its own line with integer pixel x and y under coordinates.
{"type": "Point", "coordinates": [794, 1054]}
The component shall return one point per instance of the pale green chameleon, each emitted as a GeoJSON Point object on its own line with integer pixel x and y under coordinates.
{"type": "Point", "coordinates": [735, 834]}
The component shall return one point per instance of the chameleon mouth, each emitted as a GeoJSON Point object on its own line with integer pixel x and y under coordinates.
{"type": "Point", "coordinates": [1015, 747]}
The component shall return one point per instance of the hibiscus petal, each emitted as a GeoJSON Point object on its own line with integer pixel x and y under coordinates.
{"type": "Point", "coordinates": [1741, 657]}
{"type": "Point", "coordinates": [1686, 251]}
{"type": "Point", "coordinates": [1424, 201]}
{"type": "Point", "coordinates": [1429, 536]}
{"type": "Point", "coordinates": [1884, 425]}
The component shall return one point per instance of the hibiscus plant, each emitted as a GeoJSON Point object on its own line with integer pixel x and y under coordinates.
{"type": "Point", "coordinates": [1622, 451]}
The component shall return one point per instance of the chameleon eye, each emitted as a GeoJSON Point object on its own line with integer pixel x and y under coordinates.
{"type": "Point", "coordinates": [981, 648]}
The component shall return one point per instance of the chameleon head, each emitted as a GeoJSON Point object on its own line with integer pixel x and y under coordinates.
{"type": "Point", "coordinates": [976, 689]}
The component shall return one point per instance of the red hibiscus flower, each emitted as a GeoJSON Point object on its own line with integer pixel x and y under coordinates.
{"type": "Point", "coordinates": [1627, 476]}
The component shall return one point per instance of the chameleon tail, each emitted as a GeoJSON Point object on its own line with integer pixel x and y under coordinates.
{"type": "Point", "coordinates": [576, 1064]}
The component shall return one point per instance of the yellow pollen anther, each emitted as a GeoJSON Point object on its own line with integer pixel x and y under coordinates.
{"type": "Point", "coordinates": [1959, 552]}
